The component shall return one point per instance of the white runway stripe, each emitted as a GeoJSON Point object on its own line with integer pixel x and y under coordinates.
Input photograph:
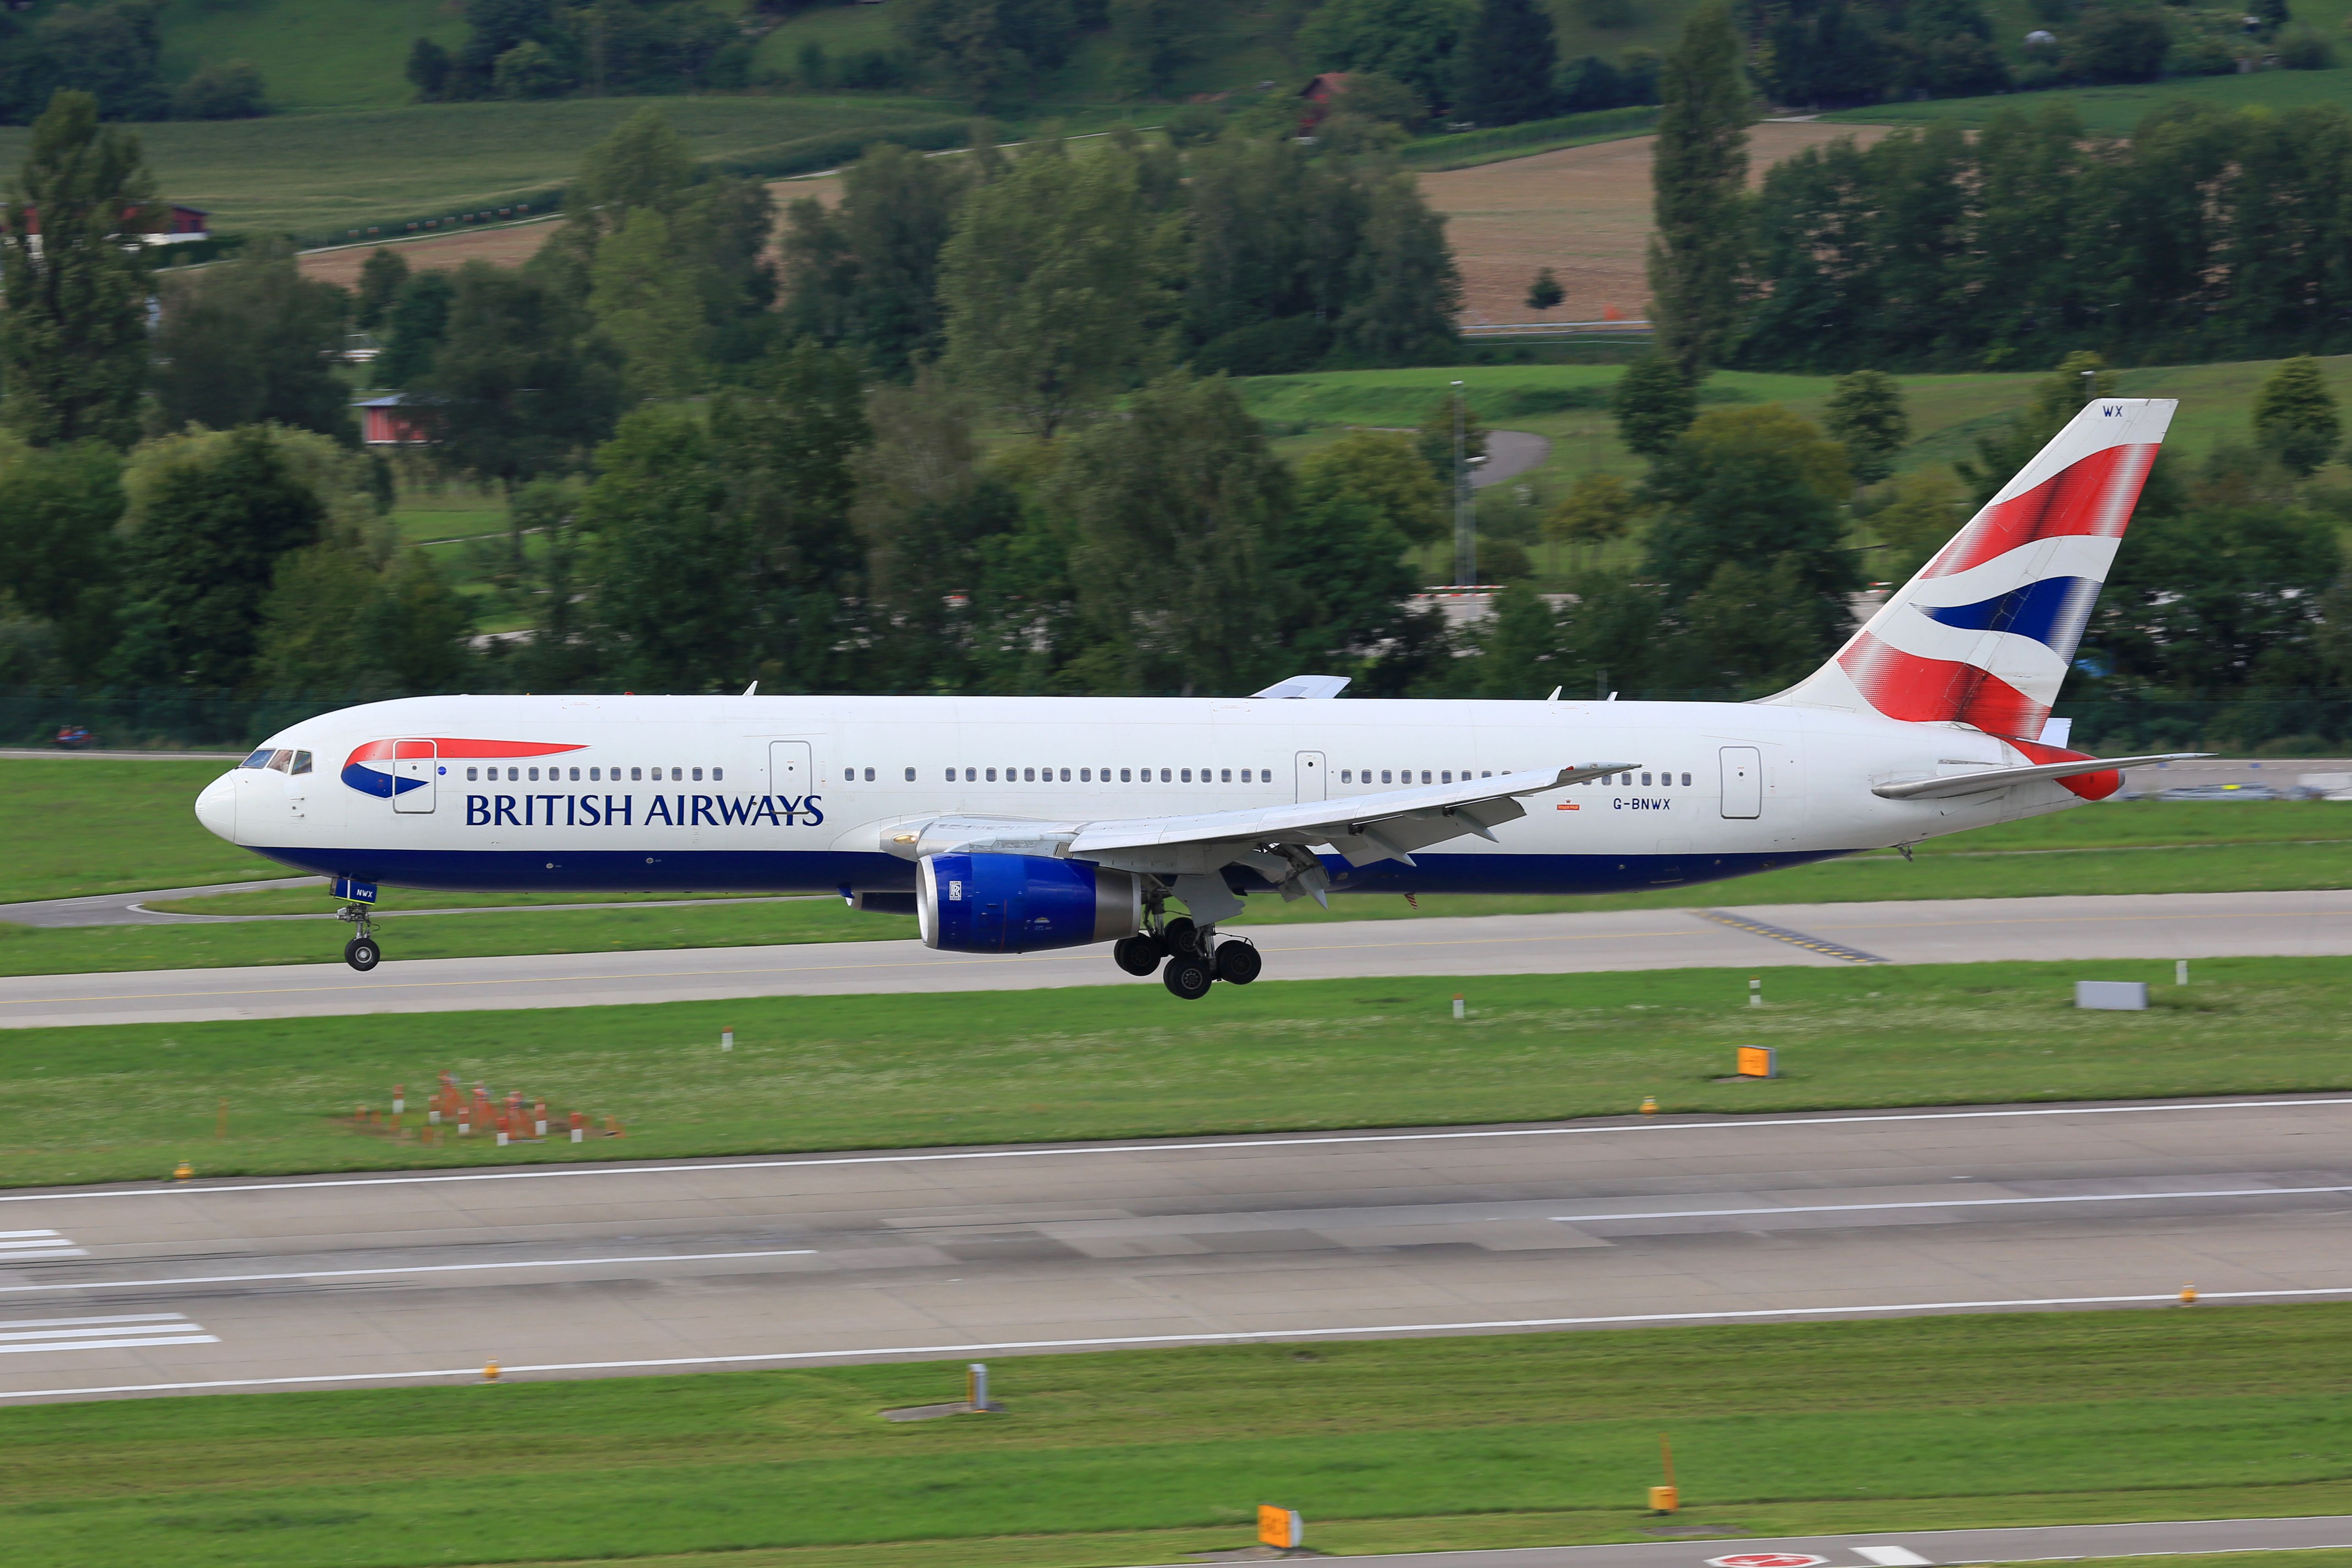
{"type": "Point", "coordinates": [1953, 1203]}
{"type": "Point", "coordinates": [407, 1268]}
{"type": "Point", "coordinates": [120, 1330]}
{"type": "Point", "coordinates": [18, 1246]}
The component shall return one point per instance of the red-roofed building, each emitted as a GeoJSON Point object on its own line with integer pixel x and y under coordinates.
{"type": "Point", "coordinates": [1319, 95]}
{"type": "Point", "coordinates": [390, 422]}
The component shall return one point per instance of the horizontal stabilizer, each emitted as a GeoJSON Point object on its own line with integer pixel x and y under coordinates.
{"type": "Point", "coordinates": [2002, 778]}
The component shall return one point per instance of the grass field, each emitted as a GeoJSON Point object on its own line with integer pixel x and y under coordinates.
{"type": "Point", "coordinates": [110, 827]}
{"type": "Point", "coordinates": [1141, 1457]}
{"type": "Point", "coordinates": [131, 1102]}
{"type": "Point", "coordinates": [311, 55]}
{"type": "Point", "coordinates": [320, 174]}
{"type": "Point", "coordinates": [2116, 110]}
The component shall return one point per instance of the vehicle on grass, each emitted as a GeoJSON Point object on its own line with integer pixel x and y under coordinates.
{"type": "Point", "coordinates": [73, 738]}
{"type": "Point", "coordinates": [1017, 824]}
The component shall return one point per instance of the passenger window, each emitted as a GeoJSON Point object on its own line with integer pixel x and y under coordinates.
{"type": "Point", "coordinates": [973, 774]}
{"type": "Point", "coordinates": [698, 775]}
{"type": "Point", "coordinates": [1066, 776]}
{"type": "Point", "coordinates": [718, 774]}
{"type": "Point", "coordinates": [473, 774]}
{"type": "Point", "coordinates": [1187, 775]}
{"type": "Point", "coordinates": [911, 775]}
{"type": "Point", "coordinates": [1347, 775]}
{"type": "Point", "coordinates": [1487, 774]}
{"type": "Point", "coordinates": [1030, 774]}
{"type": "Point", "coordinates": [1687, 781]}
{"type": "Point", "coordinates": [1448, 777]}
{"type": "Point", "coordinates": [1125, 777]}
{"type": "Point", "coordinates": [1384, 775]}
{"type": "Point", "coordinates": [869, 775]}
{"type": "Point", "coordinates": [634, 774]}
{"type": "Point", "coordinates": [1225, 777]}
{"type": "Point", "coordinates": [575, 775]}
{"type": "Point", "coordinates": [1165, 777]}
{"type": "Point", "coordinates": [302, 761]}
{"type": "Point", "coordinates": [1085, 775]}
{"type": "Point", "coordinates": [1424, 775]}
{"type": "Point", "coordinates": [1645, 778]}
{"type": "Point", "coordinates": [992, 776]}
{"type": "Point", "coordinates": [594, 775]}
{"type": "Point", "coordinates": [534, 775]}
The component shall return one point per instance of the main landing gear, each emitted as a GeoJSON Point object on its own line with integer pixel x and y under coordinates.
{"type": "Point", "coordinates": [361, 951]}
{"type": "Point", "coordinates": [1194, 958]}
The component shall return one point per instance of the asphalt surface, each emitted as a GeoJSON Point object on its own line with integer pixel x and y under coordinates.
{"type": "Point", "coordinates": [1509, 454]}
{"type": "Point", "coordinates": [128, 908]}
{"type": "Point", "coordinates": [1956, 930]}
{"type": "Point", "coordinates": [563, 1271]}
{"type": "Point", "coordinates": [1896, 1549]}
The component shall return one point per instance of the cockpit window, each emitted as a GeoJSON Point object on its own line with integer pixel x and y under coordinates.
{"type": "Point", "coordinates": [259, 759]}
{"type": "Point", "coordinates": [302, 761]}
{"type": "Point", "coordinates": [282, 759]}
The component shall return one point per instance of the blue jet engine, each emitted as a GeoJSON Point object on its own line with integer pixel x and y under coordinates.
{"type": "Point", "coordinates": [1023, 903]}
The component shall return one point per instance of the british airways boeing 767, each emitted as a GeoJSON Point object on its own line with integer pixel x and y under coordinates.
{"type": "Point", "coordinates": [1012, 824]}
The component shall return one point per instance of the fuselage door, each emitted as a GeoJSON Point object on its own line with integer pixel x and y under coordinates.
{"type": "Point", "coordinates": [1313, 781]}
{"type": "Point", "coordinates": [791, 773]}
{"type": "Point", "coordinates": [1743, 782]}
{"type": "Point", "coordinates": [414, 765]}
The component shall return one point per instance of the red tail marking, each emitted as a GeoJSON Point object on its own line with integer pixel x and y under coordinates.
{"type": "Point", "coordinates": [2093, 497]}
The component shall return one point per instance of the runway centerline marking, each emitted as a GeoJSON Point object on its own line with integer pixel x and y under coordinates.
{"type": "Point", "coordinates": [1205, 1337]}
{"type": "Point", "coordinates": [404, 1269]}
{"type": "Point", "coordinates": [1954, 1204]}
{"type": "Point", "coordinates": [924, 1157]}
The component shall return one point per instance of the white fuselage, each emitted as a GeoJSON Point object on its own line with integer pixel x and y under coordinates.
{"type": "Point", "coordinates": [803, 793]}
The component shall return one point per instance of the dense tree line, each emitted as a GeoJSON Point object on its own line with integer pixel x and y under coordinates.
{"type": "Point", "coordinates": [2206, 235]}
{"type": "Point", "coordinates": [114, 51]}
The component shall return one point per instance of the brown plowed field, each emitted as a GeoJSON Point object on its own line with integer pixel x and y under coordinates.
{"type": "Point", "coordinates": [1584, 212]}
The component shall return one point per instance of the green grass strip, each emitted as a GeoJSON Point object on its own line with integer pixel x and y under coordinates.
{"type": "Point", "coordinates": [112, 1103]}
{"type": "Point", "coordinates": [1935, 1422]}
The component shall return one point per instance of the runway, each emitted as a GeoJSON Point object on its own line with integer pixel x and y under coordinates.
{"type": "Point", "coordinates": [577, 1271]}
{"type": "Point", "coordinates": [1956, 930]}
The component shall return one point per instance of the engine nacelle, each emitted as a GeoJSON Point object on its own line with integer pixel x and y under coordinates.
{"type": "Point", "coordinates": [1023, 903]}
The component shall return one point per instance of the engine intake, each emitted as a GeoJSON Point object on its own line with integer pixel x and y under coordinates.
{"type": "Point", "coordinates": [1023, 903]}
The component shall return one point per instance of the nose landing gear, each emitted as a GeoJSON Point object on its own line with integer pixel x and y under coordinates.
{"type": "Point", "coordinates": [361, 951]}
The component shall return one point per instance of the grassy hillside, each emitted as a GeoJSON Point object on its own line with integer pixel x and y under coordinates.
{"type": "Point", "coordinates": [312, 54]}
{"type": "Point", "coordinates": [322, 173]}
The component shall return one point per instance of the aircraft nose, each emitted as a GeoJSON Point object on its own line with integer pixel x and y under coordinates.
{"type": "Point", "coordinates": [216, 807]}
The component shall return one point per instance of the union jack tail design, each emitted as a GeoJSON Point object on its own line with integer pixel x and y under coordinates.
{"type": "Point", "coordinates": [1985, 634]}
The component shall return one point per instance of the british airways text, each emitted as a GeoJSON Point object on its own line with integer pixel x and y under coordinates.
{"type": "Point", "coordinates": [670, 810]}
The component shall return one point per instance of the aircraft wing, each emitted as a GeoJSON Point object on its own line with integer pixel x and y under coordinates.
{"type": "Point", "coordinates": [1276, 841]}
{"type": "Point", "coordinates": [2002, 778]}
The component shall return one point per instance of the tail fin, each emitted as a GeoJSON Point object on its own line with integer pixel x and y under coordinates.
{"type": "Point", "coordinates": [1985, 634]}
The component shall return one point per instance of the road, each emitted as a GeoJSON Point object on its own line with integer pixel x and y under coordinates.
{"type": "Point", "coordinates": [1954, 930]}
{"type": "Point", "coordinates": [563, 1271]}
{"type": "Point", "coordinates": [1904, 1548]}
{"type": "Point", "coordinates": [1509, 454]}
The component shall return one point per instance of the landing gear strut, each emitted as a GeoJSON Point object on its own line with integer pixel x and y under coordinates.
{"type": "Point", "coordinates": [1194, 958]}
{"type": "Point", "coordinates": [361, 951]}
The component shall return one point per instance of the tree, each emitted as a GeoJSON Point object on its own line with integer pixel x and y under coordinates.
{"type": "Point", "coordinates": [1653, 403]}
{"type": "Point", "coordinates": [865, 272]}
{"type": "Point", "coordinates": [677, 591]}
{"type": "Point", "coordinates": [59, 505]}
{"type": "Point", "coordinates": [1756, 486]}
{"type": "Point", "coordinates": [1053, 285]}
{"type": "Point", "coordinates": [1388, 472]}
{"type": "Point", "coordinates": [649, 306]}
{"type": "Point", "coordinates": [516, 387]}
{"type": "Point", "coordinates": [112, 51]}
{"type": "Point", "coordinates": [253, 341]}
{"type": "Point", "coordinates": [1155, 39]}
{"type": "Point", "coordinates": [1433, 439]}
{"type": "Point", "coordinates": [414, 327]}
{"type": "Point", "coordinates": [1599, 507]}
{"type": "Point", "coordinates": [1405, 294]}
{"type": "Point", "coordinates": [1756, 626]}
{"type": "Point", "coordinates": [380, 276]}
{"type": "Point", "coordinates": [1920, 520]}
{"type": "Point", "coordinates": [335, 621]}
{"type": "Point", "coordinates": [1506, 72]}
{"type": "Point", "coordinates": [209, 515]}
{"type": "Point", "coordinates": [994, 48]}
{"type": "Point", "coordinates": [73, 339]}
{"type": "Point", "coordinates": [1545, 292]}
{"type": "Point", "coordinates": [2119, 43]}
{"type": "Point", "coordinates": [1411, 40]}
{"type": "Point", "coordinates": [427, 70]}
{"type": "Point", "coordinates": [231, 90]}
{"type": "Point", "coordinates": [1697, 177]}
{"type": "Point", "coordinates": [2294, 415]}
{"type": "Point", "coordinates": [1866, 413]}
{"type": "Point", "coordinates": [1172, 509]}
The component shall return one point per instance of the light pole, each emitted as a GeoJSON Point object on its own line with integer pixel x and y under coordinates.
{"type": "Point", "coordinates": [1465, 523]}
